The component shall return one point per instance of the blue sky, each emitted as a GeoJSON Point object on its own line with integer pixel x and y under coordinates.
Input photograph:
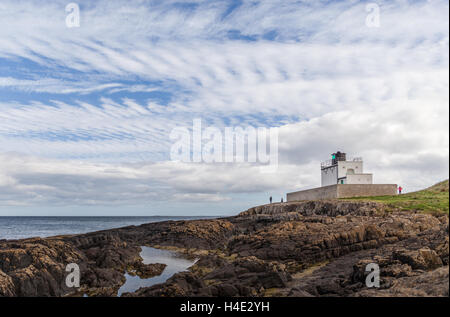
{"type": "Point", "coordinates": [86, 112]}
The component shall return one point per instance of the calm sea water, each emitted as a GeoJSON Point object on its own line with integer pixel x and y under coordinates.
{"type": "Point", "coordinates": [26, 227]}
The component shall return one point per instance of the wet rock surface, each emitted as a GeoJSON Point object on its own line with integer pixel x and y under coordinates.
{"type": "Point", "coordinates": [146, 270]}
{"type": "Point", "coordinates": [311, 248]}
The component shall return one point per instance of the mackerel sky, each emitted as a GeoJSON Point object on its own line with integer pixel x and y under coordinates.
{"type": "Point", "coordinates": [86, 112]}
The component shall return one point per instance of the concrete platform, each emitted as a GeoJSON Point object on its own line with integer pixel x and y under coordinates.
{"type": "Point", "coordinates": [343, 191]}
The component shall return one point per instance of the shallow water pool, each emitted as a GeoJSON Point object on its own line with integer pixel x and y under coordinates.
{"type": "Point", "coordinates": [174, 261]}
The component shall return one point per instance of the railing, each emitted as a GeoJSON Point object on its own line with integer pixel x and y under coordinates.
{"type": "Point", "coordinates": [326, 164]}
{"type": "Point", "coordinates": [329, 163]}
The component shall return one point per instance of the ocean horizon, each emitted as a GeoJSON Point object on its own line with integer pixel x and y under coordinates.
{"type": "Point", "coordinates": [21, 227]}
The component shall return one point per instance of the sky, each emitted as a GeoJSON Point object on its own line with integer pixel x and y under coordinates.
{"type": "Point", "coordinates": [87, 106]}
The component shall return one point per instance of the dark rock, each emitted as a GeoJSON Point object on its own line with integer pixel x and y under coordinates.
{"type": "Point", "coordinates": [424, 258]}
{"type": "Point", "coordinates": [311, 248]}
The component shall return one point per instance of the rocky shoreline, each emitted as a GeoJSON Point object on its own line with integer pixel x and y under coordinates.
{"type": "Point", "coordinates": [310, 248]}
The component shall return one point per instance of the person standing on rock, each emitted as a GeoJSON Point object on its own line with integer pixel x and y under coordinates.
{"type": "Point", "coordinates": [270, 199]}
{"type": "Point", "coordinates": [400, 188]}
{"type": "Point", "coordinates": [281, 199]}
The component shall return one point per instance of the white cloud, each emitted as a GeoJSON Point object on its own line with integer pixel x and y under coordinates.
{"type": "Point", "coordinates": [315, 70]}
{"type": "Point", "coordinates": [401, 142]}
{"type": "Point", "coordinates": [29, 180]}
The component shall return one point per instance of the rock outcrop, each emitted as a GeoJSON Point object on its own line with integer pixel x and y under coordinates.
{"type": "Point", "coordinates": [312, 248]}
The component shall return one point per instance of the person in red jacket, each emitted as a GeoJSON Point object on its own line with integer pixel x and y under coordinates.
{"type": "Point", "coordinates": [400, 188]}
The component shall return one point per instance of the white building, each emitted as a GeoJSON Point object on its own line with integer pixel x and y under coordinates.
{"type": "Point", "coordinates": [339, 170]}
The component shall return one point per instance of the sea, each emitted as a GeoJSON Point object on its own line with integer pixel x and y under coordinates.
{"type": "Point", "coordinates": [27, 227]}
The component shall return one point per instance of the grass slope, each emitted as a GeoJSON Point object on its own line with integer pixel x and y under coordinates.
{"type": "Point", "coordinates": [434, 199]}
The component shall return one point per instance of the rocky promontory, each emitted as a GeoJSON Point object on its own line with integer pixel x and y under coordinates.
{"type": "Point", "coordinates": [307, 248]}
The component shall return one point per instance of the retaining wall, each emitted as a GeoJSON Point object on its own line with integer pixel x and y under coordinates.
{"type": "Point", "coordinates": [343, 191]}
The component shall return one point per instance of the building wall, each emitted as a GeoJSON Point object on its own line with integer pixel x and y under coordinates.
{"type": "Point", "coordinates": [344, 166]}
{"type": "Point", "coordinates": [359, 179]}
{"type": "Point", "coordinates": [358, 190]}
{"type": "Point", "coordinates": [329, 176]}
{"type": "Point", "coordinates": [343, 191]}
{"type": "Point", "coordinates": [325, 192]}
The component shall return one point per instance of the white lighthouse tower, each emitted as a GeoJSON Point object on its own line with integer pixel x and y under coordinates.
{"type": "Point", "coordinates": [343, 177]}
{"type": "Point", "coordinates": [340, 170]}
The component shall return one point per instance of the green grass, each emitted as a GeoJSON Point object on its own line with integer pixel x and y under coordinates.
{"type": "Point", "coordinates": [434, 200]}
